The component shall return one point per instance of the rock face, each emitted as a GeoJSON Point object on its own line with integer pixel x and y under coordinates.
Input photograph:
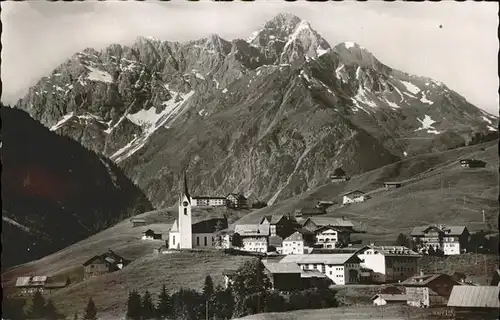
{"type": "Point", "coordinates": [270, 116]}
{"type": "Point", "coordinates": [55, 192]}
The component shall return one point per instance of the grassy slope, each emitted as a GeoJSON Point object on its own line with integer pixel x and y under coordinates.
{"type": "Point", "coordinates": [145, 272]}
{"type": "Point", "coordinates": [392, 312]}
{"type": "Point", "coordinates": [433, 193]}
{"type": "Point", "coordinates": [375, 216]}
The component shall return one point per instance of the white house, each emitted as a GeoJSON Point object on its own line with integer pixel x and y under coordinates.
{"type": "Point", "coordinates": [151, 235]}
{"type": "Point", "coordinates": [389, 263]}
{"type": "Point", "coordinates": [255, 237]}
{"type": "Point", "coordinates": [353, 197]}
{"type": "Point", "coordinates": [294, 244]}
{"type": "Point", "coordinates": [452, 240]}
{"type": "Point", "coordinates": [201, 201]}
{"type": "Point", "coordinates": [341, 268]}
{"type": "Point", "coordinates": [331, 237]}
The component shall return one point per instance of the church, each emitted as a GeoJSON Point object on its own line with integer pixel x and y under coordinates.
{"type": "Point", "coordinates": [184, 234]}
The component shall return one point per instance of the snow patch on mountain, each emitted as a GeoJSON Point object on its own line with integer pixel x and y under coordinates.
{"type": "Point", "coordinates": [427, 124]}
{"type": "Point", "coordinates": [392, 104]}
{"type": "Point", "coordinates": [349, 44]}
{"type": "Point", "coordinates": [411, 87]}
{"type": "Point", "coordinates": [173, 108]}
{"type": "Point", "coordinates": [16, 224]}
{"type": "Point", "coordinates": [490, 128]}
{"type": "Point", "coordinates": [338, 74]}
{"type": "Point", "coordinates": [425, 100]}
{"type": "Point", "coordinates": [62, 121]}
{"type": "Point", "coordinates": [98, 75]}
{"type": "Point", "coordinates": [487, 120]}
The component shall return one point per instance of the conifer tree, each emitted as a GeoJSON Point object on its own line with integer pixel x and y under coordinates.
{"type": "Point", "coordinates": [37, 309]}
{"type": "Point", "coordinates": [50, 311]}
{"type": "Point", "coordinates": [90, 311]}
{"type": "Point", "coordinates": [134, 306]}
{"type": "Point", "coordinates": [208, 287]}
{"type": "Point", "coordinates": [148, 309]}
{"type": "Point", "coordinates": [164, 306]}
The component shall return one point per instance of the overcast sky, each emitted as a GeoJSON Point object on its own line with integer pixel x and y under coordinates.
{"type": "Point", "coordinates": [39, 35]}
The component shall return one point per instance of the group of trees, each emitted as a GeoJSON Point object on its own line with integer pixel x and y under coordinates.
{"type": "Point", "coordinates": [249, 292]}
{"type": "Point", "coordinates": [40, 309]}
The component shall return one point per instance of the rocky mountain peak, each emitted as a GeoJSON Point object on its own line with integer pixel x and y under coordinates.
{"type": "Point", "coordinates": [353, 53]}
{"type": "Point", "coordinates": [287, 38]}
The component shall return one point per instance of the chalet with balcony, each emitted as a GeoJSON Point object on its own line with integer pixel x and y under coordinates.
{"type": "Point", "coordinates": [255, 237]}
{"type": "Point", "coordinates": [31, 284]}
{"type": "Point", "coordinates": [329, 237]}
{"type": "Point", "coordinates": [294, 244]}
{"type": "Point", "coordinates": [236, 201]}
{"type": "Point", "coordinates": [451, 240]}
{"type": "Point", "coordinates": [429, 290]}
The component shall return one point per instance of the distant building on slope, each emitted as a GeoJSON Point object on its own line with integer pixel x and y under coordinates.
{"type": "Point", "coordinates": [236, 201]}
{"type": "Point", "coordinates": [208, 201]}
{"type": "Point", "coordinates": [104, 263]}
{"type": "Point", "coordinates": [472, 163]}
{"type": "Point", "coordinates": [151, 235]}
{"type": "Point", "coordinates": [392, 185]}
{"type": "Point", "coordinates": [354, 196]}
{"type": "Point", "coordinates": [137, 222]}
{"type": "Point", "coordinates": [451, 240]}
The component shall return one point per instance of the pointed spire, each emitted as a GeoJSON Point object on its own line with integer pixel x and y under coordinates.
{"type": "Point", "coordinates": [186, 191]}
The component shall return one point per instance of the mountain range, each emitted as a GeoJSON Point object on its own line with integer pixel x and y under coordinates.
{"type": "Point", "coordinates": [55, 192]}
{"type": "Point", "coordinates": [271, 116]}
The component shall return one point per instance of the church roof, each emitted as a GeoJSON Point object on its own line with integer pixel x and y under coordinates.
{"type": "Point", "coordinates": [210, 225]}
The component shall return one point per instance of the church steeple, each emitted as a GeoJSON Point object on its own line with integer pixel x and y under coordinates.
{"type": "Point", "coordinates": [186, 191]}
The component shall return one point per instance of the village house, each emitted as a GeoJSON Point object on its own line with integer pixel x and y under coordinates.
{"type": "Point", "coordinates": [104, 263]}
{"type": "Point", "coordinates": [308, 212]}
{"type": "Point", "coordinates": [429, 290]}
{"type": "Point", "coordinates": [53, 285]}
{"type": "Point", "coordinates": [276, 244]}
{"type": "Point", "coordinates": [472, 163]}
{"type": "Point", "coordinates": [451, 240]}
{"type": "Point", "coordinates": [329, 237]}
{"type": "Point", "coordinates": [283, 276]}
{"type": "Point", "coordinates": [151, 235]}
{"type": "Point", "coordinates": [255, 237]}
{"type": "Point", "coordinates": [392, 185]}
{"type": "Point", "coordinates": [313, 223]}
{"type": "Point", "coordinates": [294, 244]}
{"type": "Point", "coordinates": [382, 299]}
{"type": "Point", "coordinates": [137, 222]}
{"type": "Point", "coordinates": [236, 201]}
{"type": "Point", "coordinates": [475, 302]}
{"type": "Point", "coordinates": [31, 284]}
{"type": "Point", "coordinates": [314, 279]}
{"type": "Point", "coordinates": [342, 268]}
{"type": "Point", "coordinates": [324, 204]}
{"type": "Point", "coordinates": [279, 225]}
{"type": "Point", "coordinates": [354, 196]}
{"type": "Point", "coordinates": [389, 263]}
{"type": "Point", "coordinates": [208, 201]}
